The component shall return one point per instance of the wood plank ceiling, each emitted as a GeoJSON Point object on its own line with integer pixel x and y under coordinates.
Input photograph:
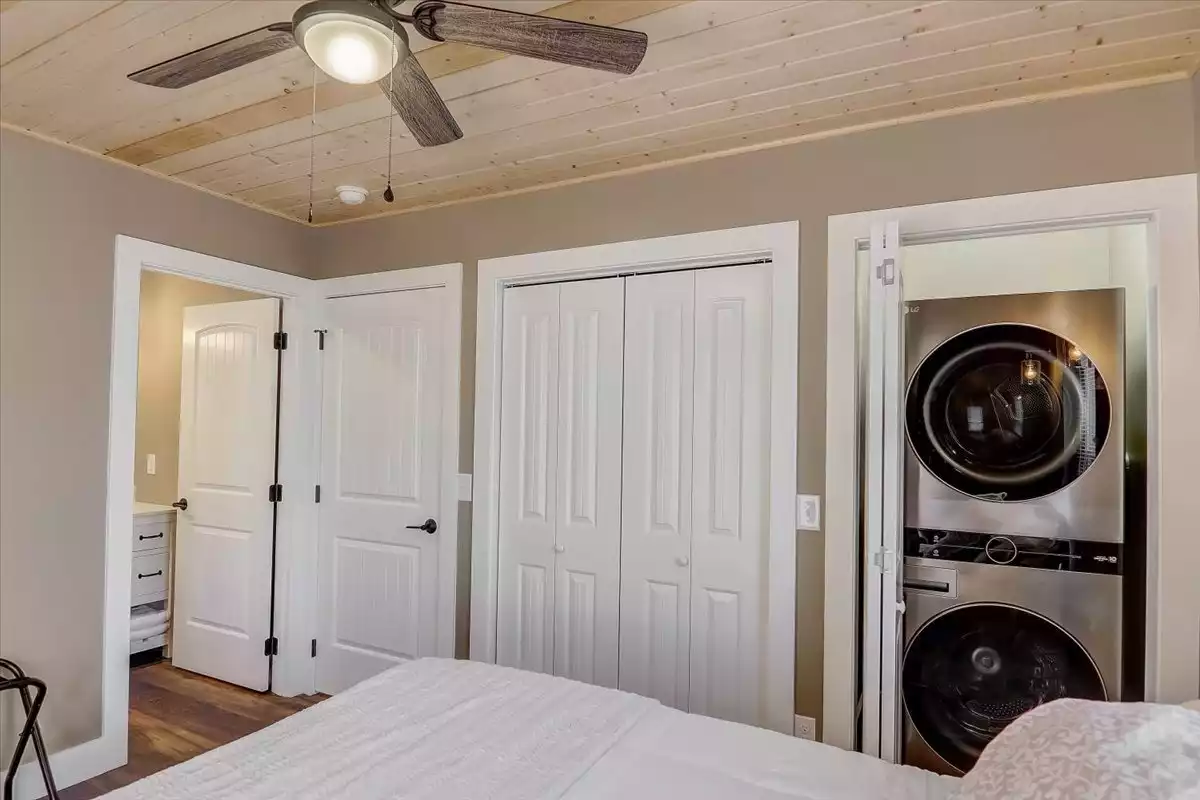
{"type": "Point", "coordinates": [719, 76]}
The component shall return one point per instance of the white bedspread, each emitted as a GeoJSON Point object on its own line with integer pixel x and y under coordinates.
{"type": "Point", "coordinates": [458, 730]}
{"type": "Point", "coordinates": [433, 728]}
{"type": "Point", "coordinates": [670, 754]}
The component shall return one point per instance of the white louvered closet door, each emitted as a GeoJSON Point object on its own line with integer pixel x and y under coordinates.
{"type": "Point", "coordinates": [560, 480]}
{"type": "Point", "coordinates": [730, 491]}
{"type": "Point", "coordinates": [656, 530]}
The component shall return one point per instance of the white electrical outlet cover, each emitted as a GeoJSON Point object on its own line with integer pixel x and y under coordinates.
{"type": "Point", "coordinates": [808, 512]}
{"type": "Point", "coordinates": [805, 728]}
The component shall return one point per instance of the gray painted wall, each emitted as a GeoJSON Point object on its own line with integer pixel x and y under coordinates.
{"type": "Point", "coordinates": [1124, 135]}
{"type": "Point", "coordinates": [60, 213]}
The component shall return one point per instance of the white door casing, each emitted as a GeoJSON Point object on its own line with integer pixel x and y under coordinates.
{"type": "Point", "coordinates": [891, 715]}
{"type": "Point", "coordinates": [381, 473]}
{"type": "Point", "coordinates": [656, 512]}
{"type": "Point", "coordinates": [731, 492]}
{"type": "Point", "coordinates": [773, 246]}
{"type": "Point", "coordinates": [528, 489]}
{"type": "Point", "coordinates": [224, 540]}
{"type": "Point", "coordinates": [587, 543]}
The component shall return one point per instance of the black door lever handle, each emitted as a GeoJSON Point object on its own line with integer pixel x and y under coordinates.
{"type": "Point", "coordinates": [429, 526]}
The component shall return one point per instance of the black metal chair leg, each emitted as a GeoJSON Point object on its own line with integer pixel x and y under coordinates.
{"type": "Point", "coordinates": [31, 729]}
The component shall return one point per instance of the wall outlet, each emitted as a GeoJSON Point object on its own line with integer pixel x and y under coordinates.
{"type": "Point", "coordinates": [806, 728]}
{"type": "Point", "coordinates": [808, 512]}
{"type": "Point", "coordinates": [150, 465]}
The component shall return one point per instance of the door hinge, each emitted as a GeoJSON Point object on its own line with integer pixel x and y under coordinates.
{"type": "Point", "coordinates": [314, 648]}
{"type": "Point", "coordinates": [320, 332]}
{"type": "Point", "coordinates": [317, 494]}
{"type": "Point", "coordinates": [271, 646]}
{"type": "Point", "coordinates": [280, 340]}
{"type": "Point", "coordinates": [275, 493]}
{"type": "Point", "coordinates": [886, 271]}
{"type": "Point", "coordinates": [885, 559]}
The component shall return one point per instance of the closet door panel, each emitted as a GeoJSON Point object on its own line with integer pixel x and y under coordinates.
{"type": "Point", "coordinates": [528, 464]}
{"type": "Point", "coordinates": [730, 490]}
{"type": "Point", "coordinates": [588, 531]}
{"type": "Point", "coordinates": [657, 487]}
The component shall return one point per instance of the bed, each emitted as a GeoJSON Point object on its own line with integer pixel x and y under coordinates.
{"type": "Point", "coordinates": [454, 730]}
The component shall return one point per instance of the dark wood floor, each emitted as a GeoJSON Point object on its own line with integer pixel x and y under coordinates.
{"type": "Point", "coordinates": [175, 715]}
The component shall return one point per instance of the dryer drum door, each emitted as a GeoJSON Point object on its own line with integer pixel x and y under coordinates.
{"type": "Point", "coordinates": [1007, 412]}
{"type": "Point", "coordinates": [970, 671]}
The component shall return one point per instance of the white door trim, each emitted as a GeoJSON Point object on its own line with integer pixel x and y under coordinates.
{"type": "Point", "coordinates": [779, 242]}
{"type": "Point", "coordinates": [1169, 206]}
{"type": "Point", "coordinates": [450, 277]}
{"type": "Point", "coordinates": [110, 749]}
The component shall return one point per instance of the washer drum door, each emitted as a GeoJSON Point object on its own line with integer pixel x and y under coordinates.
{"type": "Point", "coordinates": [973, 669]}
{"type": "Point", "coordinates": [1007, 412]}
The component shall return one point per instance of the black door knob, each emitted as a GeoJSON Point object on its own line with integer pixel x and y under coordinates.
{"type": "Point", "coordinates": [429, 526]}
{"type": "Point", "coordinates": [181, 504]}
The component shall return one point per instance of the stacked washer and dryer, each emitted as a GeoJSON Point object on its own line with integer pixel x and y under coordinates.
{"type": "Point", "coordinates": [1014, 513]}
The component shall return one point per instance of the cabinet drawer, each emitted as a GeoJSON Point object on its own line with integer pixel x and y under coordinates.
{"type": "Point", "coordinates": [151, 533]}
{"type": "Point", "coordinates": [149, 575]}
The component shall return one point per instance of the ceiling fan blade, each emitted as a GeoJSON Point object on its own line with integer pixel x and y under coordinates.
{"type": "Point", "coordinates": [578, 43]}
{"type": "Point", "coordinates": [419, 105]}
{"type": "Point", "coordinates": [217, 58]}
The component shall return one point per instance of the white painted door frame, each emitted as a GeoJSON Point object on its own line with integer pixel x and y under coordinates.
{"type": "Point", "coordinates": [450, 277]}
{"type": "Point", "coordinates": [1169, 207]}
{"type": "Point", "coordinates": [296, 539]}
{"type": "Point", "coordinates": [779, 242]}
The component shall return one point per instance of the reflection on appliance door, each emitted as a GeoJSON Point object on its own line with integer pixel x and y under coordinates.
{"type": "Point", "coordinates": [971, 670]}
{"type": "Point", "coordinates": [1007, 412]}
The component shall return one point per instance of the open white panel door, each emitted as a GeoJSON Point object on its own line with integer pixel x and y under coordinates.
{"type": "Point", "coordinates": [883, 600]}
{"type": "Point", "coordinates": [380, 483]}
{"type": "Point", "coordinates": [223, 555]}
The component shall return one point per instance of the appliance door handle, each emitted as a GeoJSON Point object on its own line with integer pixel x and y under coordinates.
{"type": "Point", "coordinates": [928, 586]}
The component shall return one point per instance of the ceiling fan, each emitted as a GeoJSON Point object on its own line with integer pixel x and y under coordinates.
{"type": "Point", "coordinates": [361, 41]}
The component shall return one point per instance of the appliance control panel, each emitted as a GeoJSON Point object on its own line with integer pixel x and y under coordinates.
{"type": "Point", "coordinates": [1035, 552]}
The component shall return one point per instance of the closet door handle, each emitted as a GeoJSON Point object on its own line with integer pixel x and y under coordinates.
{"type": "Point", "coordinates": [558, 548]}
{"type": "Point", "coordinates": [149, 575]}
{"type": "Point", "coordinates": [142, 537]}
{"type": "Point", "coordinates": [683, 561]}
{"type": "Point", "coordinates": [429, 526]}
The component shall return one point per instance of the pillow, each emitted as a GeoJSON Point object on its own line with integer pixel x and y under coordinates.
{"type": "Point", "coordinates": [1088, 750]}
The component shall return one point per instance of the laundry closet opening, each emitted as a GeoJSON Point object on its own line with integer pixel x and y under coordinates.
{"type": "Point", "coordinates": [1022, 400]}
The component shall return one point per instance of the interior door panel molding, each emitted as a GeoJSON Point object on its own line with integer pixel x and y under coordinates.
{"type": "Point", "coordinates": [295, 560]}
{"type": "Point", "coordinates": [777, 244]}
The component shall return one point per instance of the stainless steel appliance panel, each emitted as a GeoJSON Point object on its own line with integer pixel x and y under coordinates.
{"type": "Point", "coordinates": [1091, 507]}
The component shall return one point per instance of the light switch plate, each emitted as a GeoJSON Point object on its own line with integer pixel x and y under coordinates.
{"type": "Point", "coordinates": [808, 512]}
{"type": "Point", "coordinates": [464, 487]}
{"type": "Point", "coordinates": [150, 465]}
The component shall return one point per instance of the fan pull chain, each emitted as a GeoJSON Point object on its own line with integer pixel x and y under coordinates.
{"type": "Point", "coordinates": [388, 194]}
{"type": "Point", "coordinates": [312, 143]}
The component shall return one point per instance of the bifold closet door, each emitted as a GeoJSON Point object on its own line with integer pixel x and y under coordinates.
{"type": "Point", "coordinates": [730, 491]}
{"type": "Point", "coordinates": [560, 467]}
{"type": "Point", "coordinates": [656, 535]}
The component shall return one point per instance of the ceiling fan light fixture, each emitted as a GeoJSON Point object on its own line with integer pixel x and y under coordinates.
{"type": "Point", "coordinates": [351, 41]}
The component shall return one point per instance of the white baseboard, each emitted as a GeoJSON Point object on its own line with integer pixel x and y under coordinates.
{"type": "Point", "coordinates": [72, 766]}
